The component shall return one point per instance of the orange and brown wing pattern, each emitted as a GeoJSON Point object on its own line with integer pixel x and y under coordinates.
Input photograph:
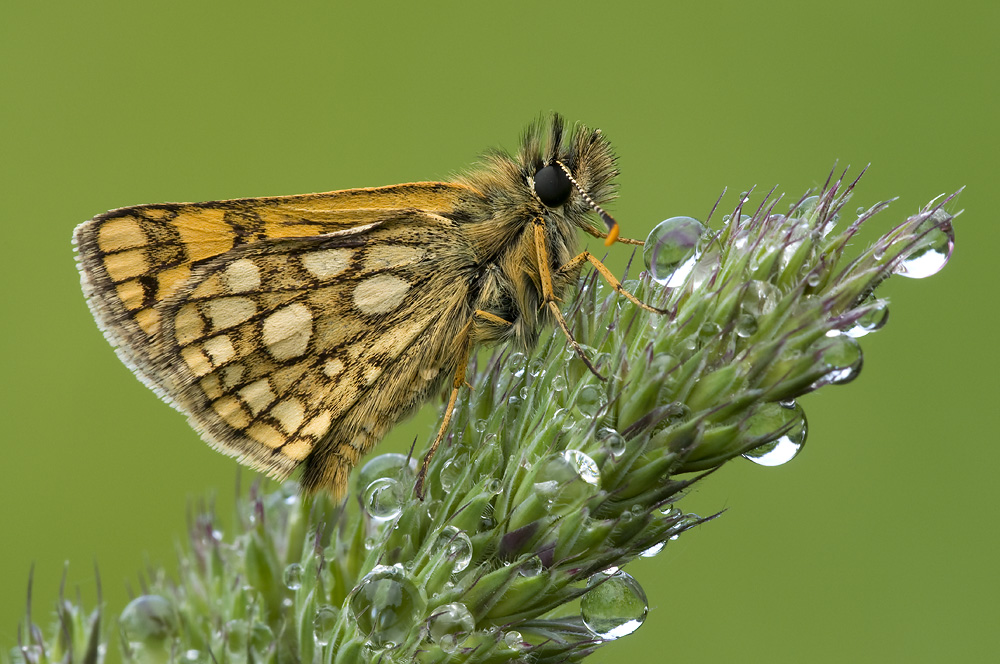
{"type": "Point", "coordinates": [133, 259]}
{"type": "Point", "coordinates": [297, 350]}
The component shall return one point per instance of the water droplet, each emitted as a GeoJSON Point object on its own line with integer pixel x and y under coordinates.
{"type": "Point", "coordinates": [514, 640]}
{"type": "Point", "coordinates": [805, 208]}
{"type": "Point", "coordinates": [615, 605]}
{"type": "Point", "coordinates": [516, 363]}
{"type": "Point", "coordinates": [370, 543]}
{"type": "Point", "coordinates": [531, 567]}
{"type": "Point", "coordinates": [760, 298]}
{"type": "Point", "coordinates": [447, 622]}
{"type": "Point", "coordinates": [653, 550]}
{"type": "Point", "coordinates": [479, 426]}
{"type": "Point", "coordinates": [558, 383]}
{"type": "Point", "coordinates": [457, 547]}
{"type": "Point", "coordinates": [399, 467]}
{"type": "Point", "coordinates": [324, 624]}
{"type": "Point", "coordinates": [385, 605]}
{"type": "Point", "coordinates": [746, 326]}
{"type": "Point", "coordinates": [536, 368]}
{"type": "Point", "coordinates": [236, 635]}
{"type": "Point", "coordinates": [523, 393]}
{"type": "Point", "coordinates": [384, 499]}
{"type": "Point", "coordinates": [192, 655]}
{"type": "Point", "coordinates": [670, 249]}
{"type": "Point", "coordinates": [842, 356]}
{"type": "Point", "coordinates": [813, 279]}
{"type": "Point", "coordinates": [451, 472]}
{"type": "Point", "coordinates": [494, 486]}
{"type": "Point", "coordinates": [590, 400]}
{"type": "Point", "coordinates": [148, 618]}
{"type": "Point", "coordinates": [933, 250]}
{"type": "Point", "coordinates": [293, 576]}
{"type": "Point", "coordinates": [567, 477]}
{"type": "Point", "coordinates": [860, 211]}
{"type": "Point", "coordinates": [782, 449]}
{"type": "Point", "coordinates": [625, 516]}
{"type": "Point", "coordinates": [872, 320]}
{"type": "Point", "coordinates": [612, 440]}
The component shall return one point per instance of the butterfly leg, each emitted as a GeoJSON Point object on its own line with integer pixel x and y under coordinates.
{"type": "Point", "coordinates": [604, 236]}
{"type": "Point", "coordinates": [548, 294]}
{"type": "Point", "coordinates": [586, 257]}
{"type": "Point", "coordinates": [459, 381]}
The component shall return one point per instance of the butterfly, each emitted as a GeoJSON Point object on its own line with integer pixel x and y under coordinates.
{"type": "Point", "coordinates": [297, 330]}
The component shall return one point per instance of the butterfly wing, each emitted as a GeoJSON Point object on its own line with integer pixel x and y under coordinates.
{"type": "Point", "coordinates": [133, 259]}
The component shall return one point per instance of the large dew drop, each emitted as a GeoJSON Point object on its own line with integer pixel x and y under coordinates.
{"type": "Point", "coordinates": [614, 606]}
{"type": "Point", "coordinates": [386, 605]}
{"type": "Point", "coordinates": [384, 498]}
{"type": "Point", "coordinates": [449, 620]}
{"type": "Point", "coordinates": [567, 477]}
{"type": "Point", "coordinates": [872, 320]}
{"type": "Point", "coordinates": [399, 467]}
{"type": "Point", "coordinates": [148, 618]}
{"type": "Point", "coordinates": [934, 248]}
{"type": "Point", "coordinates": [842, 357]}
{"type": "Point", "coordinates": [781, 449]}
{"type": "Point", "coordinates": [457, 546]}
{"type": "Point", "coordinates": [671, 247]}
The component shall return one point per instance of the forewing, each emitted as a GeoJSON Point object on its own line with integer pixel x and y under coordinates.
{"type": "Point", "coordinates": [134, 259]}
{"type": "Point", "coordinates": [279, 346]}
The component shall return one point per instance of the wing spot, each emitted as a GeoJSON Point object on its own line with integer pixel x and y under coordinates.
{"type": "Point", "coordinates": [149, 321]}
{"type": "Point", "coordinates": [220, 349]}
{"type": "Point", "coordinates": [266, 435]}
{"type": "Point", "coordinates": [126, 264]}
{"type": "Point", "coordinates": [169, 281]}
{"type": "Point", "coordinates": [119, 234]}
{"type": "Point", "coordinates": [231, 412]}
{"type": "Point", "coordinates": [210, 287]}
{"type": "Point", "coordinates": [327, 263]}
{"type": "Point", "coordinates": [390, 256]}
{"type": "Point", "coordinates": [132, 294]}
{"type": "Point", "coordinates": [381, 294]}
{"type": "Point", "coordinates": [242, 276]}
{"type": "Point", "coordinates": [333, 367]}
{"type": "Point", "coordinates": [287, 331]}
{"type": "Point", "coordinates": [229, 311]}
{"type": "Point", "coordinates": [196, 360]}
{"type": "Point", "coordinates": [188, 324]}
{"type": "Point", "coordinates": [258, 395]}
{"type": "Point", "coordinates": [317, 426]}
{"type": "Point", "coordinates": [372, 373]}
{"type": "Point", "coordinates": [290, 414]}
{"type": "Point", "coordinates": [298, 450]}
{"type": "Point", "coordinates": [211, 387]}
{"type": "Point", "coordinates": [231, 374]}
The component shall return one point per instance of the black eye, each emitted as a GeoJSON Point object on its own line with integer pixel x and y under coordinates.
{"type": "Point", "coordinates": [552, 186]}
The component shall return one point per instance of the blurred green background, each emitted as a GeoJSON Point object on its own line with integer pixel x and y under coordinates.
{"type": "Point", "coordinates": [877, 544]}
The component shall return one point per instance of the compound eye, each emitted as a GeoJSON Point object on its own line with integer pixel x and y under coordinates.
{"type": "Point", "coordinates": [552, 186]}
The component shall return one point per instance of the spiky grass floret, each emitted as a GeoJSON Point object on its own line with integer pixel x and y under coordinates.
{"type": "Point", "coordinates": [550, 481]}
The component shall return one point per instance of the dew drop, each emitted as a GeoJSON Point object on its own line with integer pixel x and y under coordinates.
{"type": "Point", "coordinates": [514, 640]}
{"type": "Point", "coordinates": [192, 655]}
{"type": "Point", "coordinates": [384, 499]}
{"type": "Point", "coordinates": [148, 618]}
{"type": "Point", "coordinates": [451, 472]}
{"type": "Point", "coordinates": [457, 547]}
{"type": "Point", "coordinates": [293, 576]}
{"type": "Point", "coordinates": [872, 320]}
{"type": "Point", "coordinates": [479, 426]}
{"type": "Point", "coordinates": [567, 477]}
{"type": "Point", "coordinates": [531, 567]}
{"type": "Point", "coordinates": [516, 363]}
{"type": "Point", "coordinates": [746, 326]}
{"type": "Point", "coordinates": [447, 622]}
{"type": "Point", "coordinates": [760, 298]}
{"type": "Point", "coordinates": [558, 383]}
{"type": "Point", "coordinates": [399, 467]}
{"type": "Point", "coordinates": [670, 249]}
{"type": "Point", "coordinates": [934, 248]}
{"type": "Point", "coordinates": [494, 486]}
{"type": "Point", "coordinates": [324, 623]}
{"type": "Point", "coordinates": [536, 368]}
{"type": "Point", "coordinates": [614, 606]}
{"type": "Point", "coordinates": [782, 449]}
{"type": "Point", "coordinates": [385, 605]}
{"type": "Point", "coordinates": [590, 400]}
{"type": "Point", "coordinates": [612, 440]}
{"type": "Point", "coordinates": [842, 357]}
{"type": "Point", "coordinates": [805, 208]}
{"type": "Point", "coordinates": [653, 550]}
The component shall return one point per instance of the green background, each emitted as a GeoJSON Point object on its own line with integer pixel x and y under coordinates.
{"type": "Point", "coordinates": [878, 543]}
